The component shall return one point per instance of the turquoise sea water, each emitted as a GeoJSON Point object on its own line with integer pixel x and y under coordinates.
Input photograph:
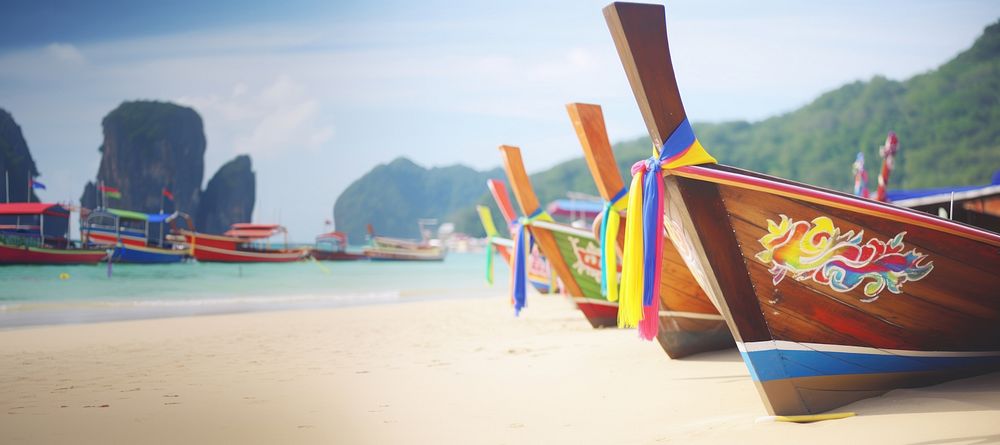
{"type": "Point", "coordinates": [33, 295]}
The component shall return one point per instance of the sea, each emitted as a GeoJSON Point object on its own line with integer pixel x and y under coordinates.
{"type": "Point", "coordinates": [47, 295]}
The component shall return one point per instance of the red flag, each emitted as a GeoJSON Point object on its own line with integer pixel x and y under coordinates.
{"type": "Point", "coordinates": [167, 193]}
{"type": "Point", "coordinates": [110, 192]}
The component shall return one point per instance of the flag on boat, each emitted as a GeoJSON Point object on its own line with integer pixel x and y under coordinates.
{"type": "Point", "coordinates": [110, 192]}
{"type": "Point", "coordinates": [35, 184]}
{"type": "Point", "coordinates": [167, 194]}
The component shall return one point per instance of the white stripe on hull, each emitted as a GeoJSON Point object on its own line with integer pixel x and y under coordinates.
{"type": "Point", "coordinates": [595, 301]}
{"type": "Point", "coordinates": [694, 315]}
{"type": "Point", "coordinates": [820, 347]}
{"type": "Point", "coordinates": [562, 228]}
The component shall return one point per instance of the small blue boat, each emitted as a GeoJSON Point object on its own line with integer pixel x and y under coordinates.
{"type": "Point", "coordinates": [134, 237]}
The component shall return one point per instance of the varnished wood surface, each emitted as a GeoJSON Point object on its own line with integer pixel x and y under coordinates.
{"type": "Point", "coordinates": [640, 35]}
{"type": "Point", "coordinates": [588, 121]}
{"type": "Point", "coordinates": [954, 307]}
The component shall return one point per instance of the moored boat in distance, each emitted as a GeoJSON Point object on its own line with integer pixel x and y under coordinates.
{"type": "Point", "coordinates": [332, 246]}
{"type": "Point", "coordinates": [689, 322]}
{"type": "Point", "coordinates": [384, 248]}
{"type": "Point", "coordinates": [242, 243]}
{"type": "Point", "coordinates": [129, 237]}
{"type": "Point", "coordinates": [831, 297]}
{"type": "Point", "coordinates": [37, 233]}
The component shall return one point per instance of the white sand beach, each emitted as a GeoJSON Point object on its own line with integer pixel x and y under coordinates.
{"type": "Point", "coordinates": [453, 371]}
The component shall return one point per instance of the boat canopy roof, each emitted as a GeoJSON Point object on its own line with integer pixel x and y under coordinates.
{"type": "Point", "coordinates": [149, 217]}
{"type": "Point", "coordinates": [574, 207]}
{"type": "Point", "coordinates": [254, 231]}
{"type": "Point", "coordinates": [333, 236]}
{"type": "Point", "coordinates": [917, 197]}
{"type": "Point", "coordinates": [34, 208]}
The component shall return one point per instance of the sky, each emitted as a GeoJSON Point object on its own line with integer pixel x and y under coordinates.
{"type": "Point", "coordinates": [320, 92]}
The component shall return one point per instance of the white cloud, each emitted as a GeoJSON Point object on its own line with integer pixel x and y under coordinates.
{"type": "Point", "coordinates": [65, 52]}
{"type": "Point", "coordinates": [280, 118]}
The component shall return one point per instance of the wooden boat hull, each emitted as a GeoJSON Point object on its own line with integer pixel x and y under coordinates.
{"type": "Point", "coordinates": [40, 255]}
{"type": "Point", "coordinates": [833, 298]}
{"type": "Point", "coordinates": [599, 313]}
{"type": "Point", "coordinates": [146, 255]}
{"type": "Point", "coordinates": [323, 255]}
{"type": "Point", "coordinates": [132, 249]}
{"type": "Point", "coordinates": [393, 255]}
{"type": "Point", "coordinates": [581, 253]}
{"type": "Point", "coordinates": [223, 249]}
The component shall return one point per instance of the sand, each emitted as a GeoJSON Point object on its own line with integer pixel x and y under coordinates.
{"type": "Point", "coordinates": [443, 372]}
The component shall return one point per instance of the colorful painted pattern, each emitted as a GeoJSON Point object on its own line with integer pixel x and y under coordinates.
{"type": "Point", "coordinates": [817, 250]}
{"type": "Point", "coordinates": [584, 259]}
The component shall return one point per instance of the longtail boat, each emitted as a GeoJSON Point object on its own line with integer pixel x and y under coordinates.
{"type": "Point", "coordinates": [538, 271]}
{"type": "Point", "coordinates": [573, 253]}
{"type": "Point", "coordinates": [128, 235]}
{"type": "Point", "coordinates": [383, 248]}
{"type": "Point", "coordinates": [36, 233]}
{"type": "Point", "coordinates": [688, 321]}
{"type": "Point", "coordinates": [332, 246]}
{"type": "Point", "coordinates": [831, 298]}
{"type": "Point", "coordinates": [976, 205]}
{"type": "Point", "coordinates": [242, 243]}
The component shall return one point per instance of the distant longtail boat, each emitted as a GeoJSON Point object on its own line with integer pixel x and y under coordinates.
{"type": "Point", "coordinates": [242, 243]}
{"type": "Point", "coordinates": [538, 271]}
{"type": "Point", "coordinates": [383, 248]}
{"type": "Point", "coordinates": [128, 235]}
{"type": "Point", "coordinates": [25, 240]}
{"type": "Point", "coordinates": [831, 298]}
{"type": "Point", "coordinates": [688, 321]}
{"type": "Point", "coordinates": [332, 246]}
{"type": "Point", "coordinates": [574, 254]}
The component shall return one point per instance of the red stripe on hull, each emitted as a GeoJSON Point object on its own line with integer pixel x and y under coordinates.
{"type": "Point", "coordinates": [210, 254]}
{"type": "Point", "coordinates": [599, 315]}
{"type": "Point", "coordinates": [22, 255]}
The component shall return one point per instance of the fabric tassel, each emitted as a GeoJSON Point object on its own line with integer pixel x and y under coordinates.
{"type": "Point", "coordinates": [630, 297]}
{"type": "Point", "coordinates": [489, 261]}
{"type": "Point", "coordinates": [643, 256]}
{"type": "Point", "coordinates": [649, 327]}
{"type": "Point", "coordinates": [610, 220]}
{"type": "Point", "coordinates": [519, 274]}
{"type": "Point", "coordinates": [518, 287]}
{"type": "Point", "coordinates": [486, 217]}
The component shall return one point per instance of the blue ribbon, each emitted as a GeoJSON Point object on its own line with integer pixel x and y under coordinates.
{"type": "Point", "coordinates": [604, 230]}
{"type": "Point", "coordinates": [681, 139]}
{"type": "Point", "coordinates": [519, 287]}
{"type": "Point", "coordinates": [652, 220]}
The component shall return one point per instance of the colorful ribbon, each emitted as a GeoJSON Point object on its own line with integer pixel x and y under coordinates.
{"type": "Point", "coordinates": [642, 259]}
{"type": "Point", "coordinates": [486, 217]}
{"type": "Point", "coordinates": [519, 273]}
{"type": "Point", "coordinates": [610, 220]}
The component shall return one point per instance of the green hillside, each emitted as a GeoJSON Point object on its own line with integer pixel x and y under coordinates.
{"type": "Point", "coordinates": [947, 120]}
{"type": "Point", "coordinates": [393, 196]}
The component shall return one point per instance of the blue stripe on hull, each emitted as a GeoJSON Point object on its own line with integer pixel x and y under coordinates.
{"type": "Point", "coordinates": [776, 364]}
{"type": "Point", "coordinates": [123, 254]}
